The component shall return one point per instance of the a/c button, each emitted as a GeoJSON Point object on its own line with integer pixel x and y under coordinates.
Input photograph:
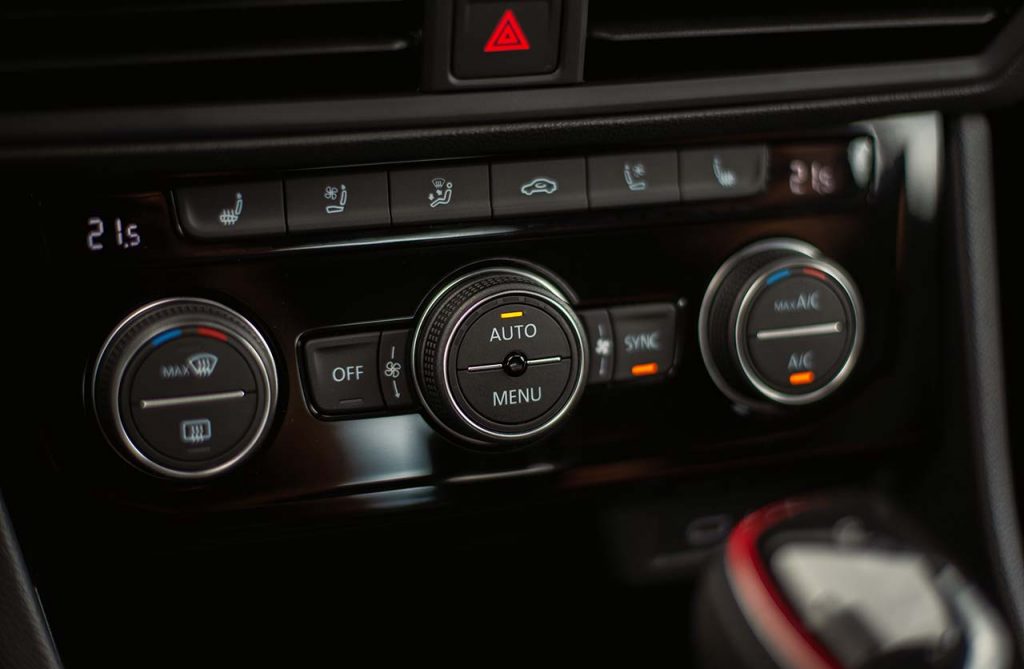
{"type": "Point", "coordinates": [343, 373]}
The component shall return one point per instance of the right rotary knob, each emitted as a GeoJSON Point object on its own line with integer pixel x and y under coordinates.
{"type": "Point", "coordinates": [780, 324]}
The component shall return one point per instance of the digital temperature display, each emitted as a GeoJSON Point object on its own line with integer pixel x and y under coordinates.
{"type": "Point", "coordinates": [114, 234]}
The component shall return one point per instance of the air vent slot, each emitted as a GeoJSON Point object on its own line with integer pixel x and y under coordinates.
{"type": "Point", "coordinates": [152, 54]}
{"type": "Point", "coordinates": [676, 40]}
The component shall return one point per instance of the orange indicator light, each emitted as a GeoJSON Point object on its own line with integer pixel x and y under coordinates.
{"type": "Point", "coordinates": [646, 369]}
{"type": "Point", "coordinates": [801, 378]}
{"type": "Point", "coordinates": [512, 314]}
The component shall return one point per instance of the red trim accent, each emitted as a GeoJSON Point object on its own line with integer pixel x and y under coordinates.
{"type": "Point", "coordinates": [764, 606]}
{"type": "Point", "coordinates": [817, 274]}
{"type": "Point", "coordinates": [211, 333]}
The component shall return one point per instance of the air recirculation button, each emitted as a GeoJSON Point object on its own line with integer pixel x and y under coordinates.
{"type": "Point", "coordinates": [499, 357]}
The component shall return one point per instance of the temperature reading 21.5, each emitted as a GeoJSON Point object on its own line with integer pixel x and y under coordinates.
{"type": "Point", "coordinates": [120, 236]}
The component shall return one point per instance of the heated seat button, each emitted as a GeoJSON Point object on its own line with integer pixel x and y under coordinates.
{"type": "Point", "coordinates": [513, 400]}
{"type": "Point", "coordinates": [338, 200]}
{"type": "Point", "coordinates": [523, 327]}
{"type": "Point", "coordinates": [191, 366]}
{"type": "Point", "coordinates": [625, 180]}
{"type": "Point", "coordinates": [221, 211]}
{"type": "Point", "coordinates": [393, 365]}
{"type": "Point", "coordinates": [196, 431]}
{"type": "Point", "coordinates": [503, 39]}
{"type": "Point", "coordinates": [342, 373]}
{"type": "Point", "coordinates": [442, 193]}
{"type": "Point", "coordinates": [539, 186]}
{"type": "Point", "coordinates": [645, 340]}
{"type": "Point", "coordinates": [725, 172]}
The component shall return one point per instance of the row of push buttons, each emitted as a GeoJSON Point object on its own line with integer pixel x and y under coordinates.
{"type": "Point", "coordinates": [348, 199]}
{"type": "Point", "coordinates": [368, 372]}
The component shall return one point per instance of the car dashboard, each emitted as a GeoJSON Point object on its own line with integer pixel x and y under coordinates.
{"type": "Point", "coordinates": [358, 321]}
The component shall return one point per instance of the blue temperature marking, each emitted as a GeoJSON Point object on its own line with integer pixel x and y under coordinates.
{"type": "Point", "coordinates": [165, 337]}
{"type": "Point", "coordinates": [781, 274]}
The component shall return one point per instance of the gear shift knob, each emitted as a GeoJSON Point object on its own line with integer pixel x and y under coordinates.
{"type": "Point", "coordinates": [841, 583]}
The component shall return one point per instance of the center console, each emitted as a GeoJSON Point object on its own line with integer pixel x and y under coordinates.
{"type": "Point", "coordinates": [250, 339]}
{"type": "Point", "coordinates": [613, 351]}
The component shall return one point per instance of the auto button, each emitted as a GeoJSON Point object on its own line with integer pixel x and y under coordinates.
{"type": "Point", "coordinates": [515, 326]}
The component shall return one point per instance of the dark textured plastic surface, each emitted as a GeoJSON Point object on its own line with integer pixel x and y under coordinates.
{"type": "Point", "coordinates": [25, 641]}
{"type": "Point", "coordinates": [976, 255]}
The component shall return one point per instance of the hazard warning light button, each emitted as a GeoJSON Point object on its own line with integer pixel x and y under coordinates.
{"type": "Point", "coordinates": [506, 39]}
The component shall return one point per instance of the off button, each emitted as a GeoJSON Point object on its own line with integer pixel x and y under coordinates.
{"type": "Point", "coordinates": [343, 373]}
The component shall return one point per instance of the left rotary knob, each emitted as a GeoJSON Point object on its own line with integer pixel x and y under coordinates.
{"type": "Point", "coordinates": [185, 388]}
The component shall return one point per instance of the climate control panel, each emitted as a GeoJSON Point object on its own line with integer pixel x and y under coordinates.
{"type": "Point", "coordinates": [497, 356]}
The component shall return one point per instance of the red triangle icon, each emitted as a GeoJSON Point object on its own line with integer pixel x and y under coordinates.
{"type": "Point", "coordinates": [508, 35]}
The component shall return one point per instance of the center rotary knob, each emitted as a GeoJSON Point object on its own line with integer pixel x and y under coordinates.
{"type": "Point", "coordinates": [499, 357]}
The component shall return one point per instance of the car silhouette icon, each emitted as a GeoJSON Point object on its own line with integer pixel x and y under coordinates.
{"type": "Point", "coordinates": [539, 185]}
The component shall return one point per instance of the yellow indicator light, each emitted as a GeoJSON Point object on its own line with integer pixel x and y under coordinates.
{"type": "Point", "coordinates": [512, 314]}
